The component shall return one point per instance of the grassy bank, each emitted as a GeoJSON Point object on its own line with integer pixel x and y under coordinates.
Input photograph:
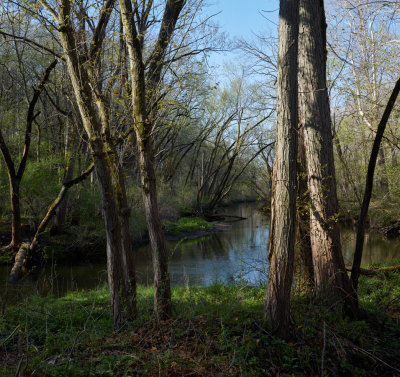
{"type": "Point", "coordinates": [215, 331]}
{"type": "Point", "coordinates": [187, 225]}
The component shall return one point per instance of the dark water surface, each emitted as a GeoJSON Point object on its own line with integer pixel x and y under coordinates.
{"type": "Point", "coordinates": [238, 253]}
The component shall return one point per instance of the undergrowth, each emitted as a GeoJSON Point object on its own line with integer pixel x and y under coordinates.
{"type": "Point", "coordinates": [215, 331]}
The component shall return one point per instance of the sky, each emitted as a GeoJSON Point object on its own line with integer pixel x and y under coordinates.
{"type": "Point", "coordinates": [242, 19]}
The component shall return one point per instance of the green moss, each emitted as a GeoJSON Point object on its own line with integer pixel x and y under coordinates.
{"type": "Point", "coordinates": [187, 225]}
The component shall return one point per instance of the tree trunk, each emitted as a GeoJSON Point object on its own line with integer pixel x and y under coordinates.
{"type": "Point", "coordinates": [330, 275]}
{"type": "Point", "coordinates": [59, 220]}
{"type": "Point", "coordinates": [162, 290]}
{"type": "Point", "coordinates": [27, 250]}
{"type": "Point", "coordinates": [304, 269]}
{"type": "Point", "coordinates": [369, 181]}
{"type": "Point", "coordinates": [16, 229]}
{"type": "Point", "coordinates": [283, 207]}
{"type": "Point", "coordinates": [15, 176]}
{"type": "Point", "coordinates": [120, 263]}
{"type": "Point", "coordinates": [144, 114]}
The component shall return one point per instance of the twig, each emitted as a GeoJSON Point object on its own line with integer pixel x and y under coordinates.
{"type": "Point", "coordinates": [5, 340]}
{"type": "Point", "coordinates": [19, 367]}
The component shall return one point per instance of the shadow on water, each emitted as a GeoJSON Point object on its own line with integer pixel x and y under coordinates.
{"type": "Point", "coordinates": [238, 253]}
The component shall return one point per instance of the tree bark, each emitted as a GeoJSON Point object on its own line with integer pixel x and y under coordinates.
{"type": "Point", "coordinates": [355, 272]}
{"type": "Point", "coordinates": [304, 269]}
{"type": "Point", "coordinates": [283, 207]}
{"type": "Point", "coordinates": [330, 275]}
{"type": "Point", "coordinates": [120, 263]}
{"type": "Point", "coordinates": [144, 112]}
{"type": "Point", "coordinates": [16, 229]}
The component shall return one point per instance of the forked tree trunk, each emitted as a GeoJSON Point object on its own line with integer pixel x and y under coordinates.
{"type": "Point", "coordinates": [143, 109]}
{"type": "Point", "coordinates": [120, 263]}
{"type": "Point", "coordinates": [330, 276]}
{"type": "Point", "coordinates": [283, 207]}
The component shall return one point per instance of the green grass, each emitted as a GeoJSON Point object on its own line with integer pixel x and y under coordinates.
{"type": "Point", "coordinates": [215, 331]}
{"type": "Point", "coordinates": [187, 225]}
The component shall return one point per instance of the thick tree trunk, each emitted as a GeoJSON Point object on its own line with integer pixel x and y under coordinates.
{"type": "Point", "coordinates": [283, 211]}
{"type": "Point", "coordinates": [120, 264]}
{"type": "Point", "coordinates": [329, 271]}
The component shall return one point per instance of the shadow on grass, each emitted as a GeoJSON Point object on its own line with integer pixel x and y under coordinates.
{"type": "Point", "coordinates": [215, 331]}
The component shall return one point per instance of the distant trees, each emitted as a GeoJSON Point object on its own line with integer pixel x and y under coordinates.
{"type": "Point", "coordinates": [16, 172]}
{"type": "Point", "coordinates": [363, 65]}
{"type": "Point", "coordinates": [123, 63]}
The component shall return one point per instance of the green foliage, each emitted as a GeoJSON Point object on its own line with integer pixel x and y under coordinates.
{"type": "Point", "coordinates": [40, 185]}
{"type": "Point", "coordinates": [381, 293]}
{"type": "Point", "coordinates": [187, 225]}
{"type": "Point", "coordinates": [217, 330]}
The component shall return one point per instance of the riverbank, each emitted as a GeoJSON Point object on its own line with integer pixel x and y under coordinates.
{"type": "Point", "coordinates": [77, 244]}
{"type": "Point", "coordinates": [217, 330]}
{"type": "Point", "coordinates": [383, 218]}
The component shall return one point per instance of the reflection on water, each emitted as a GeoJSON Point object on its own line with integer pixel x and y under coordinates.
{"type": "Point", "coordinates": [238, 253]}
{"type": "Point", "coordinates": [376, 247]}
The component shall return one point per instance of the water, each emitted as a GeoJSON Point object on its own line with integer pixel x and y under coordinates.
{"type": "Point", "coordinates": [236, 254]}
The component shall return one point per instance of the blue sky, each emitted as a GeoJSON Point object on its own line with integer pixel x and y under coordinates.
{"type": "Point", "coordinates": [240, 18]}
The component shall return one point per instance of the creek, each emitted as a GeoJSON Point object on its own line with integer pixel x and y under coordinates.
{"type": "Point", "coordinates": [237, 253]}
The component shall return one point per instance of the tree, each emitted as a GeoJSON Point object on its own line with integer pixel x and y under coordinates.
{"type": "Point", "coordinates": [15, 175]}
{"type": "Point", "coordinates": [330, 276]}
{"type": "Point", "coordinates": [355, 271]}
{"type": "Point", "coordinates": [364, 65]}
{"type": "Point", "coordinates": [283, 207]}
{"type": "Point", "coordinates": [83, 59]}
{"type": "Point", "coordinates": [144, 97]}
